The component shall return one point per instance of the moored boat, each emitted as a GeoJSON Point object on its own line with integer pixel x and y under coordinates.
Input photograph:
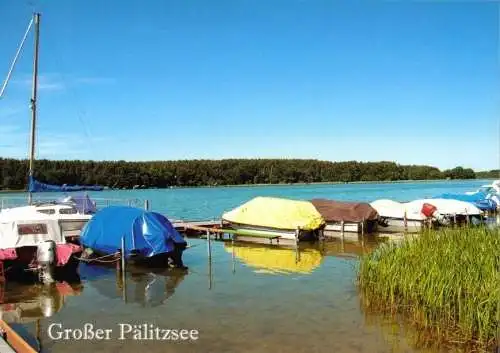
{"type": "Point", "coordinates": [398, 217]}
{"type": "Point", "coordinates": [276, 217]}
{"type": "Point", "coordinates": [30, 240]}
{"type": "Point", "coordinates": [479, 199]}
{"type": "Point", "coordinates": [450, 211]}
{"type": "Point", "coordinates": [144, 237]}
{"type": "Point", "coordinates": [415, 215]}
{"type": "Point", "coordinates": [354, 217]}
{"type": "Point", "coordinates": [72, 213]}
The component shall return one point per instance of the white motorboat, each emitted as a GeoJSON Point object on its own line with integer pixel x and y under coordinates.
{"type": "Point", "coordinates": [32, 237]}
{"type": "Point", "coordinates": [397, 217]}
{"type": "Point", "coordinates": [413, 216]}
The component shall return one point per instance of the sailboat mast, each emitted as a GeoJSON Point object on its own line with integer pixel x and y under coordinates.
{"type": "Point", "coordinates": [36, 18]}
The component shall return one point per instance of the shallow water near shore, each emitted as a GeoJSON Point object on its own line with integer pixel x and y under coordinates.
{"type": "Point", "coordinates": [249, 298]}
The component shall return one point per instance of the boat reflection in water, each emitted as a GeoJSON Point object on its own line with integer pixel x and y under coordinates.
{"type": "Point", "coordinates": [275, 259]}
{"type": "Point", "coordinates": [29, 303]}
{"type": "Point", "coordinates": [148, 287]}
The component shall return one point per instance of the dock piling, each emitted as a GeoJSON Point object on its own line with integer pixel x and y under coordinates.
{"type": "Point", "coordinates": [297, 236]}
{"type": "Point", "coordinates": [123, 268]}
{"type": "Point", "coordinates": [233, 255]}
{"type": "Point", "coordinates": [146, 205]}
{"type": "Point", "coordinates": [209, 245]}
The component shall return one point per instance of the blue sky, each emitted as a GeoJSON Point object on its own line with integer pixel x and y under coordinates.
{"type": "Point", "coordinates": [412, 82]}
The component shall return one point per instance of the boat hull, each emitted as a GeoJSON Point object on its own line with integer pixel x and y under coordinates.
{"type": "Point", "coordinates": [23, 268]}
{"type": "Point", "coordinates": [249, 232]}
{"type": "Point", "coordinates": [352, 227]}
{"type": "Point", "coordinates": [397, 225]}
{"type": "Point", "coordinates": [168, 259]}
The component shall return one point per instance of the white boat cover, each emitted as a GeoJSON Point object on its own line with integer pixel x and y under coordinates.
{"type": "Point", "coordinates": [394, 209]}
{"type": "Point", "coordinates": [447, 206]}
{"type": "Point", "coordinates": [27, 228]}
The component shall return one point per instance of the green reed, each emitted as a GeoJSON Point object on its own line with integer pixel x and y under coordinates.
{"type": "Point", "coordinates": [447, 281]}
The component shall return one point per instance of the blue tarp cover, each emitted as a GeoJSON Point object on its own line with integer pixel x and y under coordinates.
{"type": "Point", "coordinates": [478, 199]}
{"type": "Point", "coordinates": [37, 186]}
{"type": "Point", "coordinates": [149, 233]}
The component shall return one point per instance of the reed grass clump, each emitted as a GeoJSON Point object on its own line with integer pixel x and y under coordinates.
{"type": "Point", "coordinates": [447, 281]}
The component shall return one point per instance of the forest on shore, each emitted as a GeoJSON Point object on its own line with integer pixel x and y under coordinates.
{"type": "Point", "coordinates": [161, 174]}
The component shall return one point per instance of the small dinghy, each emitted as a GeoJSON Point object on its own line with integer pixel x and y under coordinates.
{"type": "Point", "coordinates": [148, 237]}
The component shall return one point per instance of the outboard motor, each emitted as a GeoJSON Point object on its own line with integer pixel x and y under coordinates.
{"type": "Point", "coordinates": [46, 259]}
{"type": "Point", "coordinates": [430, 211]}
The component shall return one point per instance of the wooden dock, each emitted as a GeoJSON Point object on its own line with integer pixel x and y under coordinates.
{"type": "Point", "coordinates": [11, 342]}
{"type": "Point", "coordinates": [183, 226]}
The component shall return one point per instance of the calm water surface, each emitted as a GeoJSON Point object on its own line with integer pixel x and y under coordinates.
{"type": "Point", "coordinates": [250, 298]}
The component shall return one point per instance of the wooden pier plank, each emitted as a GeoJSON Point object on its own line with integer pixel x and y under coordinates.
{"type": "Point", "coordinates": [16, 343]}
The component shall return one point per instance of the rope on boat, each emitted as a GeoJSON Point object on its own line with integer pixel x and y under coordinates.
{"type": "Point", "coordinates": [99, 259]}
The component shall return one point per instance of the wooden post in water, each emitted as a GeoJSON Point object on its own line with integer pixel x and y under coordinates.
{"type": "Point", "coordinates": [363, 227]}
{"type": "Point", "coordinates": [146, 205]}
{"type": "Point", "coordinates": [297, 235]}
{"type": "Point", "coordinates": [233, 257]}
{"type": "Point", "coordinates": [123, 268]}
{"type": "Point", "coordinates": [342, 229]}
{"type": "Point", "coordinates": [209, 273]}
{"type": "Point", "coordinates": [209, 246]}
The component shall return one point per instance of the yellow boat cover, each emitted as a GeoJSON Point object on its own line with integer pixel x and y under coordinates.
{"type": "Point", "coordinates": [276, 213]}
{"type": "Point", "coordinates": [276, 260]}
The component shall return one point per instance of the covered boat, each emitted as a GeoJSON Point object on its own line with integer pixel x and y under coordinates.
{"type": "Point", "coordinates": [149, 237]}
{"type": "Point", "coordinates": [447, 207]}
{"type": "Point", "coordinates": [478, 199]}
{"type": "Point", "coordinates": [397, 217]}
{"type": "Point", "coordinates": [276, 217]}
{"type": "Point", "coordinates": [412, 216]}
{"type": "Point", "coordinates": [354, 216]}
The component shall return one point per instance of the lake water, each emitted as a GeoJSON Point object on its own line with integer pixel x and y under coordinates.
{"type": "Point", "coordinates": [250, 298]}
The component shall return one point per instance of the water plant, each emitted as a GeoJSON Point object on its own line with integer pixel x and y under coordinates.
{"type": "Point", "coordinates": [446, 282]}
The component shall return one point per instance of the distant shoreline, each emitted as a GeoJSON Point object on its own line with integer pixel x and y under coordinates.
{"type": "Point", "coordinates": [281, 184]}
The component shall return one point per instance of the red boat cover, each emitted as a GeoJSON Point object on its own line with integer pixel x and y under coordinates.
{"type": "Point", "coordinates": [336, 211]}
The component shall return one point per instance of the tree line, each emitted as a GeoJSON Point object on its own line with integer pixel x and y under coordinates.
{"type": "Point", "coordinates": [161, 174]}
